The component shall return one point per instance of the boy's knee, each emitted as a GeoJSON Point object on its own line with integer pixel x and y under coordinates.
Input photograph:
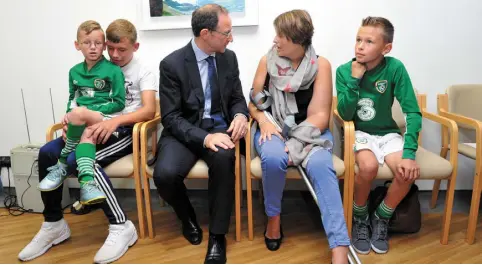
{"type": "Point", "coordinates": [367, 170]}
{"type": "Point", "coordinates": [77, 115]}
{"type": "Point", "coordinates": [403, 183]}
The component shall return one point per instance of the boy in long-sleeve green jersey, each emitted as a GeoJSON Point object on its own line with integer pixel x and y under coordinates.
{"type": "Point", "coordinates": [366, 88]}
{"type": "Point", "coordinates": [96, 93]}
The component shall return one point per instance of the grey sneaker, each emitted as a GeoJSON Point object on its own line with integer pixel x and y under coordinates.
{"type": "Point", "coordinates": [360, 235]}
{"type": "Point", "coordinates": [54, 179]}
{"type": "Point", "coordinates": [90, 193]}
{"type": "Point", "coordinates": [379, 240]}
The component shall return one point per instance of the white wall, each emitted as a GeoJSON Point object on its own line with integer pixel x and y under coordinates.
{"type": "Point", "coordinates": [437, 40]}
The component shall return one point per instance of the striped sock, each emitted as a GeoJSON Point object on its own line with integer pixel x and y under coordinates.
{"type": "Point", "coordinates": [85, 156]}
{"type": "Point", "coordinates": [360, 211]}
{"type": "Point", "coordinates": [383, 211]}
{"type": "Point", "coordinates": [74, 132]}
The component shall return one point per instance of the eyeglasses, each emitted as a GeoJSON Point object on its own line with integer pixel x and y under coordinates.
{"type": "Point", "coordinates": [225, 34]}
{"type": "Point", "coordinates": [95, 43]}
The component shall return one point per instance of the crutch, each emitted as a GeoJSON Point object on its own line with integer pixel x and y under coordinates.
{"type": "Point", "coordinates": [352, 256]}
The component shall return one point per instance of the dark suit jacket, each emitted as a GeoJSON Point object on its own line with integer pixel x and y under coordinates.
{"type": "Point", "coordinates": [182, 97]}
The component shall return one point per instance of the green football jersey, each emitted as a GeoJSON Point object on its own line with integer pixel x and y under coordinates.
{"type": "Point", "coordinates": [368, 101]}
{"type": "Point", "coordinates": [99, 89]}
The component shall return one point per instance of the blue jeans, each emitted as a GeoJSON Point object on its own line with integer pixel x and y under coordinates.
{"type": "Point", "coordinates": [320, 171]}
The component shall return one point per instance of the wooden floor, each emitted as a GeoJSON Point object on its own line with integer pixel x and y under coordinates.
{"type": "Point", "coordinates": [304, 242]}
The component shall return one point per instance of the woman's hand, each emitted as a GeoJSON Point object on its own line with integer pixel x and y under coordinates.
{"type": "Point", "coordinates": [267, 129]}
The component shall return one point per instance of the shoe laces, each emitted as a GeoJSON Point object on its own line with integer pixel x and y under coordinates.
{"type": "Point", "coordinates": [361, 228]}
{"type": "Point", "coordinates": [89, 186]}
{"type": "Point", "coordinates": [381, 228]}
{"type": "Point", "coordinates": [114, 232]}
{"type": "Point", "coordinates": [56, 171]}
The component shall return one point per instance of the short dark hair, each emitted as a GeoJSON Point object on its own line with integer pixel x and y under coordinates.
{"type": "Point", "coordinates": [295, 25]}
{"type": "Point", "coordinates": [385, 24]}
{"type": "Point", "coordinates": [206, 17]}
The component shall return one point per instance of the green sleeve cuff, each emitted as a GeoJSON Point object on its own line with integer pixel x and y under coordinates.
{"type": "Point", "coordinates": [353, 82]}
{"type": "Point", "coordinates": [408, 154]}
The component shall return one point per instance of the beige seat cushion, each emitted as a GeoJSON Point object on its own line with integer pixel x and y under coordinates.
{"type": "Point", "coordinates": [467, 150]}
{"type": "Point", "coordinates": [293, 171]}
{"type": "Point", "coordinates": [122, 168]}
{"type": "Point", "coordinates": [432, 166]}
{"type": "Point", "coordinates": [199, 170]}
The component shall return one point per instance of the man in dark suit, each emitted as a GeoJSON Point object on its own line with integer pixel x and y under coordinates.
{"type": "Point", "coordinates": [204, 113]}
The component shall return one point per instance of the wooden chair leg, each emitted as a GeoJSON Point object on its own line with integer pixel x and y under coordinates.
{"type": "Point", "coordinates": [140, 205]}
{"type": "Point", "coordinates": [249, 203]}
{"type": "Point", "coordinates": [435, 191]}
{"type": "Point", "coordinates": [436, 184]}
{"type": "Point", "coordinates": [237, 194]}
{"type": "Point", "coordinates": [474, 208]}
{"type": "Point", "coordinates": [241, 182]}
{"type": "Point", "coordinates": [449, 202]}
{"type": "Point", "coordinates": [147, 199]}
{"type": "Point", "coordinates": [351, 192]}
{"type": "Point", "coordinates": [345, 197]}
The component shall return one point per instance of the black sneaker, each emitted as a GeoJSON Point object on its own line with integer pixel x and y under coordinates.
{"type": "Point", "coordinates": [360, 235]}
{"type": "Point", "coordinates": [379, 240]}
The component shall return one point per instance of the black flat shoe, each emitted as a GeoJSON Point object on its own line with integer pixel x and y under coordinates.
{"type": "Point", "coordinates": [273, 244]}
{"type": "Point", "coordinates": [216, 250]}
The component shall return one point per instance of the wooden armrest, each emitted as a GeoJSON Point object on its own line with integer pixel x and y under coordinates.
{"type": "Point", "coordinates": [248, 140]}
{"type": "Point", "coordinates": [450, 124]}
{"type": "Point", "coordinates": [51, 131]}
{"type": "Point", "coordinates": [453, 129]}
{"type": "Point", "coordinates": [144, 131]}
{"type": "Point", "coordinates": [135, 143]}
{"type": "Point", "coordinates": [337, 118]}
{"type": "Point", "coordinates": [137, 128]}
{"type": "Point", "coordinates": [348, 134]}
{"type": "Point", "coordinates": [477, 125]}
{"type": "Point", "coordinates": [150, 124]}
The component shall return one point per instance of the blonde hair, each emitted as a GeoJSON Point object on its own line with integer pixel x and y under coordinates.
{"type": "Point", "coordinates": [385, 24]}
{"type": "Point", "coordinates": [296, 25]}
{"type": "Point", "coordinates": [121, 28]}
{"type": "Point", "coordinates": [88, 26]}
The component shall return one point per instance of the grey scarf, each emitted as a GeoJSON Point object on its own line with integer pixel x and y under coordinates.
{"type": "Point", "coordinates": [285, 81]}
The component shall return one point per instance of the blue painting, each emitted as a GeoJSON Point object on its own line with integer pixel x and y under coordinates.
{"type": "Point", "coordinates": [165, 8]}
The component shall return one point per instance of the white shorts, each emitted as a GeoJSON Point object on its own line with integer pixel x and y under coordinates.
{"type": "Point", "coordinates": [379, 145]}
{"type": "Point", "coordinates": [105, 117]}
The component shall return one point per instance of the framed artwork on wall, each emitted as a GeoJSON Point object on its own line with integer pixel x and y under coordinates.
{"type": "Point", "coordinates": [176, 14]}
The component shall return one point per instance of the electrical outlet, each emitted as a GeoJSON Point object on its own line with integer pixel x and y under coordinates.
{"type": "Point", "coordinates": [5, 161]}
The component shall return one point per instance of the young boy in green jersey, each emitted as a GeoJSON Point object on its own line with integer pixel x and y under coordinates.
{"type": "Point", "coordinates": [96, 93]}
{"type": "Point", "coordinates": [366, 87]}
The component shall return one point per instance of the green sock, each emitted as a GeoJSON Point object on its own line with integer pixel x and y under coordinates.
{"type": "Point", "coordinates": [85, 157]}
{"type": "Point", "coordinates": [383, 211]}
{"type": "Point", "coordinates": [74, 132]}
{"type": "Point", "coordinates": [360, 212]}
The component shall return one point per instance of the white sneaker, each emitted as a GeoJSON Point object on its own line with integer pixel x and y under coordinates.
{"type": "Point", "coordinates": [120, 238]}
{"type": "Point", "coordinates": [50, 234]}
